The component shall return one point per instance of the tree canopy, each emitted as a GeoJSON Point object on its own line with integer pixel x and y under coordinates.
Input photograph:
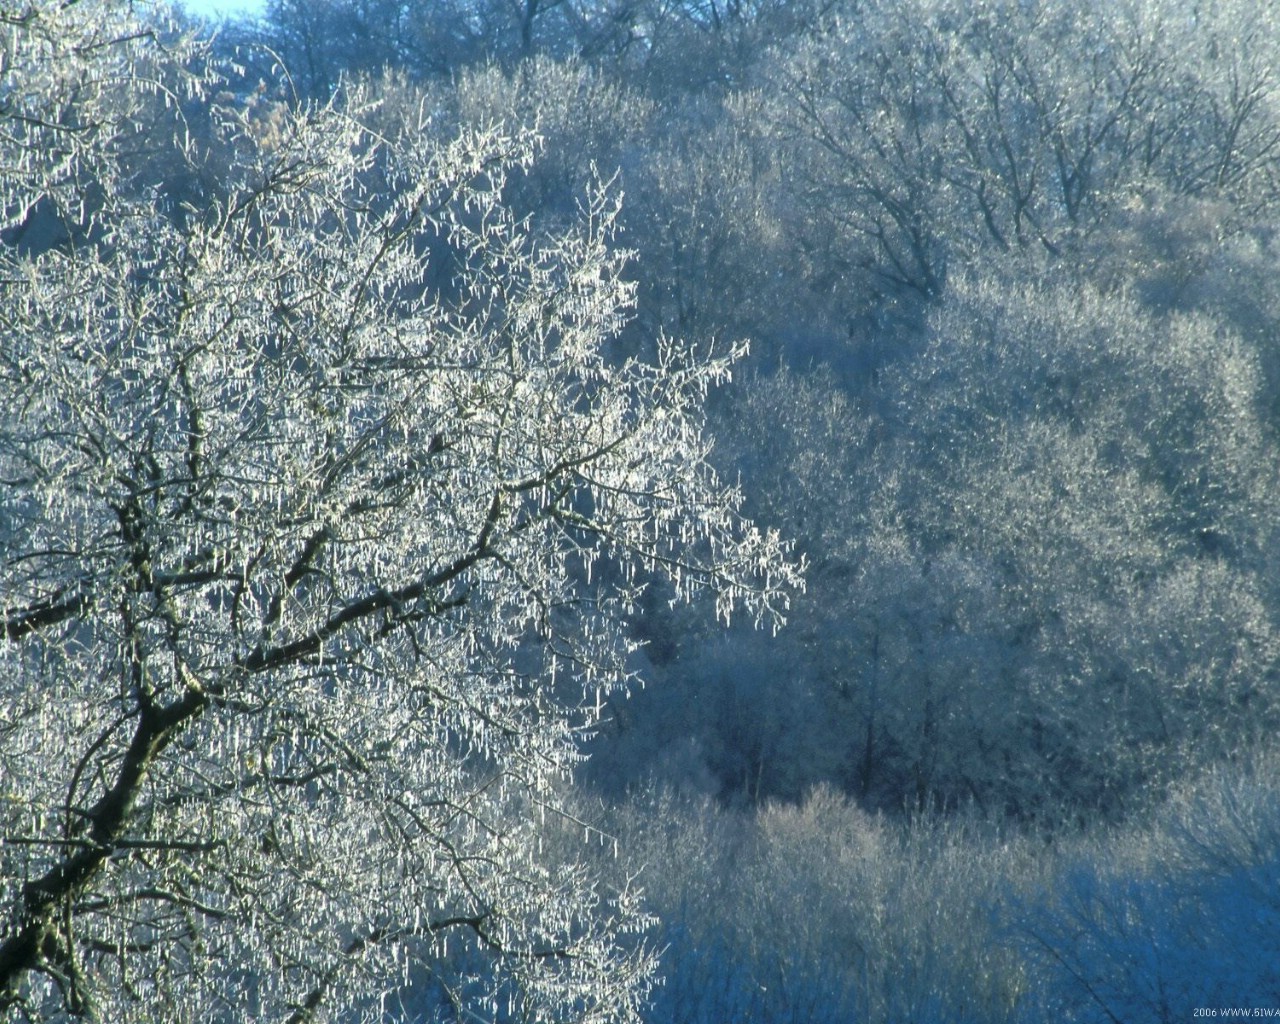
{"type": "Point", "coordinates": [324, 496]}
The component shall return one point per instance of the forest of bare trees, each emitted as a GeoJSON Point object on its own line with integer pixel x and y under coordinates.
{"type": "Point", "coordinates": [631, 510]}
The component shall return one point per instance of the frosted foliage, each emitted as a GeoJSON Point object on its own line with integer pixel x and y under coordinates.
{"type": "Point", "coordinates": [1107, 477]}
{"type": "Point", "coordinates": [321, 507]}
{"type": "Point", "coordinates": [76, 80]}
{"type": "Point", "coordinates": [1149, 436]}
{"type": "Point", "coordinates": [926, 135]}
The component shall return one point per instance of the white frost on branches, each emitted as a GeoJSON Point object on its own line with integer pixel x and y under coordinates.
{"type": "Point", "coordinates": [324, 499]}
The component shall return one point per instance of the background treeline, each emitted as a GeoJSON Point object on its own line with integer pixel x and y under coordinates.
{"type": "Point", "coordinates": [1008, 274]}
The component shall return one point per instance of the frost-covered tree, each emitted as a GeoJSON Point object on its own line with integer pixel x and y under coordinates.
{"type": "Point", "coordinates": [923, 136]}
{"type": "Point", "coordinates": [323, 501]}
{"type": "Point", "coordinates": [1041, 550]}
{"type": "Point", "coordinates": [1091, 487]}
